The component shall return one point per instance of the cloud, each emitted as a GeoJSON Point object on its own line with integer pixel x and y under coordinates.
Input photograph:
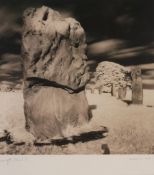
{"type": "Point", "coordinates": [8, 21]}
{"type": "Point", "coordinates": [106, 46]}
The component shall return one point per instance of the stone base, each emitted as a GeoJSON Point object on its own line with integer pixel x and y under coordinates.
{"type": "Point", "coordinates": [49, 111]}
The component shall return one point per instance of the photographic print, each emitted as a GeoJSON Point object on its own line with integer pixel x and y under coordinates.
{"type": "Point", "coordinates": [76, 77]}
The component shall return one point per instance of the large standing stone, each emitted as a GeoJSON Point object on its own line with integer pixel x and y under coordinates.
{"type": "Point", "coordinates": [55, 72]}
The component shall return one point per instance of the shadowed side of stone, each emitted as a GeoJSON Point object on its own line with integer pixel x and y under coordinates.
{"type": "Point", "coordinates": [55, 72]}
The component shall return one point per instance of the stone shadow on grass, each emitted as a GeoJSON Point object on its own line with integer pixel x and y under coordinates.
{"type": "Point", "coordinates": [83, 137]}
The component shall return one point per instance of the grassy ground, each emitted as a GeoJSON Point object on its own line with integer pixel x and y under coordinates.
{"type": "Point", "coordinates": [131, 128]}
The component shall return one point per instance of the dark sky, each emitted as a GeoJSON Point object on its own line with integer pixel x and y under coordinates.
{"type": "Point", "coordinates": [105, 18]}
{"type": "Point", "coordinates": [117, 30]}
{"type": "Point", "coordinates": [131, 20]}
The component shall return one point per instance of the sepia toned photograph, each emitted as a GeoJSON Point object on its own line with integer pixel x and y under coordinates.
{"type": "Point", "coordinates": [76, 77]}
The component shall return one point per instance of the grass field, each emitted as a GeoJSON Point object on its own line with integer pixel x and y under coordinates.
{"type": "Point", "coordinates": [131, 127]}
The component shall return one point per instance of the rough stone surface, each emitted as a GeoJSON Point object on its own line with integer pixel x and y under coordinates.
{"type": "Point", "coordinates": [137, 87]}
{"type": "Point", "coordinates": [54, 48]}
{"type": "Point", "coordinates": [55, 72]}
{"type": "Point", "coordinates": [111, 76]}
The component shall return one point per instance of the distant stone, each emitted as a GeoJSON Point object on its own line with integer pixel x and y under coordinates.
{"type": "Point", "coordinates": [111, 76]}
{"type": "Point", "coordinates": [5, 88]}
{"type": "Point", "coordinates": [18, 86]}
{"type": "Point", "coordinates": [137, 86]}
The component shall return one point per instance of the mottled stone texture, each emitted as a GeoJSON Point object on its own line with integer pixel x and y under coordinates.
{"type": "Point", "coordinates": [55, 72]}
{"type": "Point", "coordinates": [111, 77]}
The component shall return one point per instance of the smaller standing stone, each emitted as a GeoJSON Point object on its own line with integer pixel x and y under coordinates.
{"type": "Point", "coordinates": [110, 77]}
{"type": "Point", "coordinates": [137, 87]}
